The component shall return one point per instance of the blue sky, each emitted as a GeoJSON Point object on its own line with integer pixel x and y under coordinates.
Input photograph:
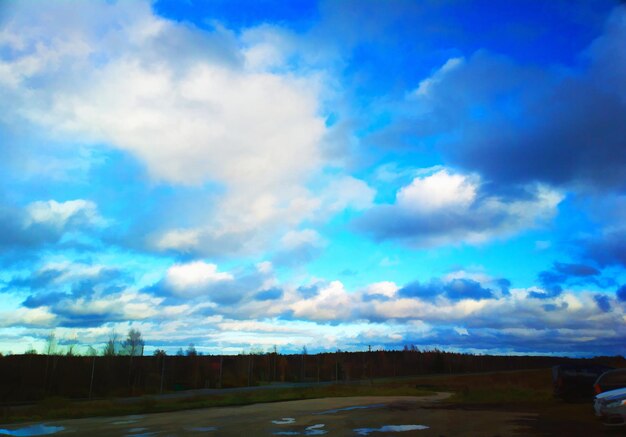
{"type": "Point", "coordinates": [239, 175]}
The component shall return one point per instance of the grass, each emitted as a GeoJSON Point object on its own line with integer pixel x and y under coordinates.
{"type": "Point", "coordinates": [510, 389]}
{"type": "Point", "coordinates": [61, 408]}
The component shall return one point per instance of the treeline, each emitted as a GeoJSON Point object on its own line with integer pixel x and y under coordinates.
{"type": "Point", "coordinates": [33, 377]}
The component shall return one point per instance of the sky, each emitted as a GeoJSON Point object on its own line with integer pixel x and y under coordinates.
{"type": "Point", "coordinates": [331, 175]}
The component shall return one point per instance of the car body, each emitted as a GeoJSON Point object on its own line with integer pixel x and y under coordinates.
{"type": "Point", "coordinates": [610, 406]}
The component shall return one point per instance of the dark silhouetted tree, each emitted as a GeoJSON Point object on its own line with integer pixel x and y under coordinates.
{"type": "Point", "coordinates": [133, 345]}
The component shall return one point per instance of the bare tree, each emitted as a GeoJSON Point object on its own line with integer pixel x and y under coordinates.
{"type": "Point", "coordinates": [191, 351]}
{"type": "Point", "coordinates": [72, 343]}
{"type": "Point", "coordinates": [133, 345]}
{"type": "Point", "coordinates": [51, 344]}
{"type": "Point", "coordinates": [109, 347]}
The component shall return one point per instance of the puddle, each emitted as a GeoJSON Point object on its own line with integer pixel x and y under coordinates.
{"type": "Point", "coordinates": [32, 430]}
{"type": "Point", "coordinates": [309, 430]}
{"type": "Point", "coordinates": [315, 429]}
{"type": "Point", "coordinates": [136, 430]}
{"type": "Point", "coordinates": [284, 421]}
{"type": "Point", "coordinates": [142, 434]}
{"type": "Point", "coordinates": [202, 429]}
{"type": "Point", "coordinates": [390, 428]}
{"type": "Point", "coordinates": [356, 407]}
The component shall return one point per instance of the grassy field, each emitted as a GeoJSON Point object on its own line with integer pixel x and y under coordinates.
{"type": "Point", "coordinates": [521, 391]}
{"type": "Point", "coordinates": [60, 408]}
{"type": "Point", "coordinates": [516, 387]}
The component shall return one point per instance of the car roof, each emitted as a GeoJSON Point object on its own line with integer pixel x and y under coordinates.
{"type": "Point", "coordinates": [611, 373]}
{"type": "Point", "coordinates": [617, 393]}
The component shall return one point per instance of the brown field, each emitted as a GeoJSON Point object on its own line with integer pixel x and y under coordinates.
{"type": "Point", "coordinates": [486, 404]}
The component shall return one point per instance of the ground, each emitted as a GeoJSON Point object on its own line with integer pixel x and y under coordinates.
{"type": "Point", "coordinates": [344, 417]}
{"type": "Point", "coordinates": [517, 403]}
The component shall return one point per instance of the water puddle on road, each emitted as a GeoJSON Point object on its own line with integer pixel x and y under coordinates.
{"type": "Point", "coordinates": [284, 421]}
{"type": "Point", "coordinates": [202, 429]}
{"type": "Point", "coordinates": [316, 429]}
{"type": "Point", "coordinates": [390, 428]}
{"type": "Point", "coordinates": [355, 407]}
{"type": "Point", "coordinates": [32, 430]}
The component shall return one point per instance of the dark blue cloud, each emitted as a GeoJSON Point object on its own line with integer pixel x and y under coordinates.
{"type": "Point", "coordinates": [621, 293]}
{"type": "Point", "coordinates": [504, 285]}
{"type": "Point", "coordinates": [516, 124]}
{"type": "Point", "coordinates": [422, 291]}
{"type": "Point", "coordinates": [45, 299]}
{"type": "Point", "coordinates": [455, 289]}
{"type": "Point", "coordinates": [309, 291]}
{"type": "Point", "coordinates": [553, 280]}
{"type": "Point", "coordinates": [540, 340]}
{"type": "Point", "coordinates": [580, 270]}
{"type": "Point", "coordinates": [551, 307]}
{"type": "Point", "coordinates": [467, 289]}
{"type": "Point", "coordinates": [551, 283]}
{"type": "Point", "coordinates": [607, 249]}
{"type": "Point", "coordinates": [603, 302]}
{"type": "Point", "coordinates": [16, 232]}
{"type": "Point", "coordinates": [269, 294]}
{"type": "Point", "coordinates": [35, 281]}
{"type": "Point", "coordinates": [393, 222]}
{"type": "Point", "coordinates": [550, 292]}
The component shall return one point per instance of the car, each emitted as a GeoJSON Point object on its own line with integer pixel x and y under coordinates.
{"type": "Point", "coordinates": [575, 381]}
{"type": "Point", "coordinates": [610, 380]}
{"type": "Point", "coordinates": [610, 406]}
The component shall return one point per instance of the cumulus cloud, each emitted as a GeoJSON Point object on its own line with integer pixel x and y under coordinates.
{"type": "Point", "coordinates": [516, 124]}
{"type": "Point", "coordinates": [332, 302]}
{"type": "Point", "coordinates": [436, 192]}
{"type": "Point", "coordinates": [192, 277]}
{"type": "Point", "coordinates": [195, 107]}
{"type": "Point", "coordinates": [454, 289]}
{"type": "Point", "coordinates": [62, 214]}
{"type": "Point", "coordinates": [384, 289]}
{"type": "Point", "coordinates": [298, 247]}
{"type": "Point", "coordinates": [606, 249]}
{"type": "Point", "coordinates": [44, 222]}
{"type": "Point", "coordinates": [447, 312]}
{"type": "Point", "coordinates": [445, 207]}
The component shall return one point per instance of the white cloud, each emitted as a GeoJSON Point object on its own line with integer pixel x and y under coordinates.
{"type": "Point", "coordinates": [384, 288]}
{"type": "Point", "coordinates": [185, 278]}
{"type": "Point", "coordinates": [477, 276]}
{"type": "Point", "coordinates": [446, 208]}
{"type": "Point", "coordinates": [306, 237]}
{"type": "Point", "coordinates": [59, 214]}
{"type": "Point", "coordinates": [331, 303]}
{"type": "Point", "coordinates": [178, 239]}
{"type": "Point", "coordinates": [347, 192]}
{"type": "Point", "coordinates": [438, 191]}
{"type": "Point", "coordinates": [426, 85]}
{"type": "Point", "coordinates": [461, 331]}
{"type": "Point", "coordinates": [41, 316]}
{"type": "Point", "coordinates": [194, 106]}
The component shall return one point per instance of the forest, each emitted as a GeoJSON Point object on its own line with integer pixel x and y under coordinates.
{"type": "Point", "coordinates": [31, 377]}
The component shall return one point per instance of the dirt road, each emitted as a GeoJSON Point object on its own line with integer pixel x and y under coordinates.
{"type": "Point", "coordinates": [396, 415]}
